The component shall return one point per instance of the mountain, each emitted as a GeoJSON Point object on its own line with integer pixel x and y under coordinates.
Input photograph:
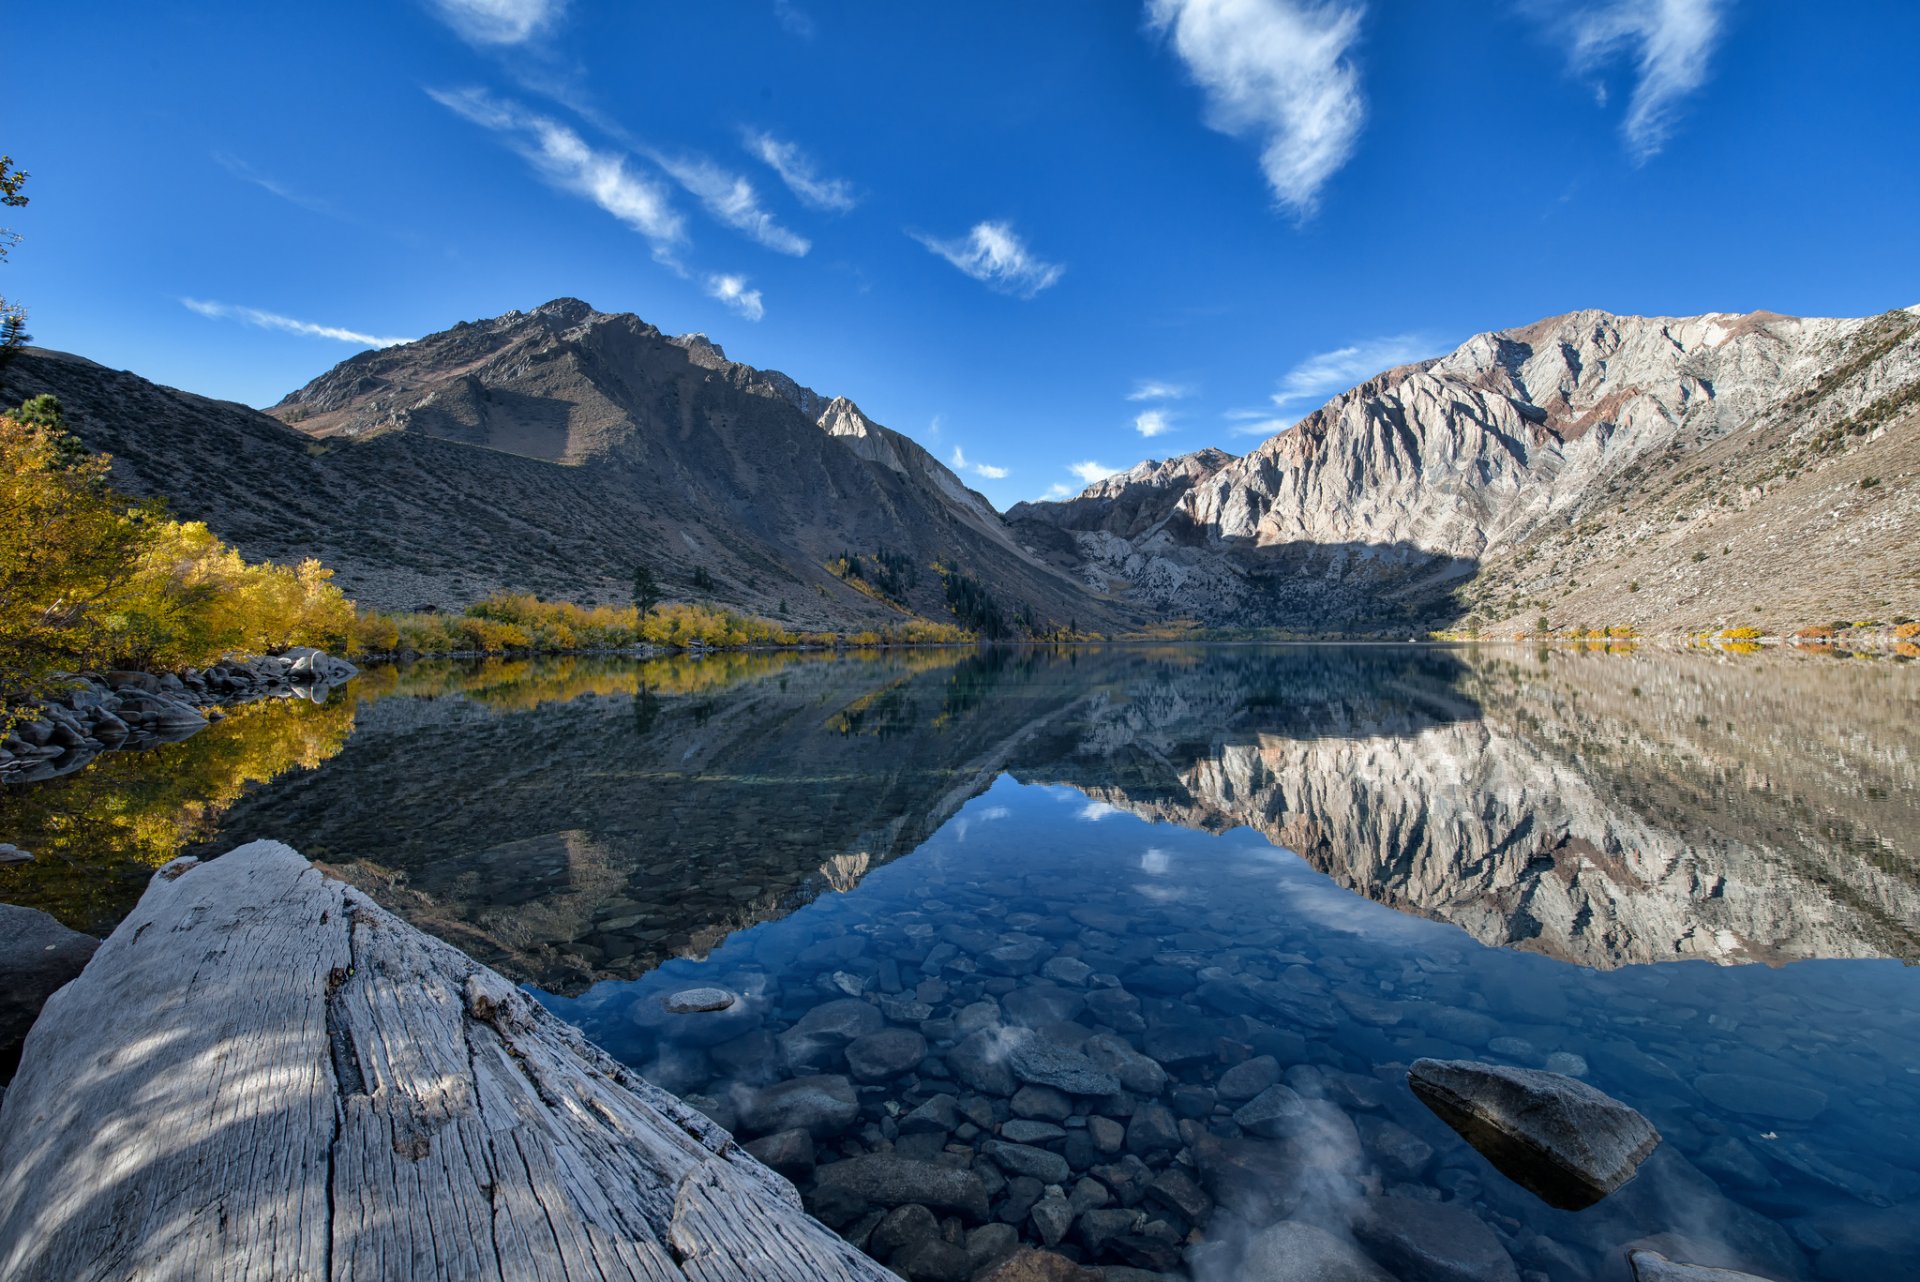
{"type": "Point", "coordinates": [1599, 469]}
{"type": "Point", "coordinates": [555, 450]}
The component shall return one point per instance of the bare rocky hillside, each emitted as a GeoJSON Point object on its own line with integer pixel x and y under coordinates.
{"type": "Point", "coordinates": [1669, 474]}
{"type": "Point", "coordinates": [554, 451]}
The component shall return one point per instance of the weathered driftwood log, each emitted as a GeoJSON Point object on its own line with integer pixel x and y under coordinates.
{"type": "Point", "coordinates": [262, 1074]}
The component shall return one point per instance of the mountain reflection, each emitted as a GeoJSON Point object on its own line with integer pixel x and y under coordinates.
{"type": "Point", "coordinates": [1601, 809]}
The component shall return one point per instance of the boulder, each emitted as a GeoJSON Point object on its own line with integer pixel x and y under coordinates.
{"type": "Point", "coordinates": [822, 1105]}
{"type": "Point", "coordinates": [1032, 1265]}
{"type": "Point", "coordinates": [1042, 1063]}
{"type": "Point", "coordinates": [1433, 1241]}
{"type": "Point", "coordinates": [37, 956]}
{"type": "Point", "coordinates": [980, 1060]}
{"type": "Point", "coordinates": [788, 1152]}
{"type": "Point", "coordinates": [1024, 1159]}
{"type": "Point", "coordinates": [885, 1054]}
{"type": "Point", "coordinates": [1568, 1143]}
{"type": "Point", "coordinates": [1294, 1251]}
{"type": "Point", "coordinates": [886, 1180]}
{"type": "Point", "coordinates": [1651, 1266]}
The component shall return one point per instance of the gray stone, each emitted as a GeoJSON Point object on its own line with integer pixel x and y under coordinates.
{"type": "Point", "coordinates": [1272, 1114]}
{"type": "Point", "coordinates": [1014, 955]}
{"type": "Point", "coordinates": [788, 1152]}
{"type": "Point", "coordinates": [1244, 1081]}
{"type": "Point", "coordinates": [1402, 1155]}
{"type": "Point", "coordinates": [1294, 1251]}
{"type": "Point", "coordinates": [1136, 1072]}
{"type": "Point", "coordinates": [1041, 1062]}
{"type": "Point", "coordinates": [886, 1180]}
{"type": "Point", "coordinates": [1175, 1045]}
{"type": "Point", "coordinates": [821, 1035]}
{"type": "Point", "coordinates": [1024, 1159]}
{"type": "Point", "coordinates": [1175, 1190]}
{"type": "Point", "coordinates": [1432, 1240]}
{"type": "Point", "coordinates": [692, 1001]}
{"type": "Point", "coordinates": [1108, 1135]}
{"type": "Point", "coordinates": [1042, 1102]}
{"type": "Point", "coordinates": [1116, 1008]}
{"type": "Point", "coordinates": [935, 1117]}
{"type": "Point", "coordinates": [933, 1260]}
{"type": "Point", "coordinates": [1025, 1131]}
{"type": "Point", "coordinates": [37, 957]}
{"type": "Point", "coordinates": [1152, 1131]}
{"type": "Point", "coordinates": [1565, 1141]}
{"type": "Point", "coordinates": [885, 1054]}
{"type": "Point", "coordinates": [1067, 970]}
{"type": "Point", "coordinates": [902, 1226]}
{"type": "Point", "coordinates": [1095, 1228]}
{"type": "Point", "coordinates": [822, 1105]}
{"type": "Point", "coordinates": [1052, 1217]}
{"type": "Point", "coordinates": [1651, 1266]}
{"type": "Point", "coordinates": [980, 1061]}
{"type": "Point", "coordinates": [991, 1243]}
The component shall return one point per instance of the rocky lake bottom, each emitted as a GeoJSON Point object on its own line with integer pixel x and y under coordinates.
{"type": "Point", "coordinates": [1128, 952]}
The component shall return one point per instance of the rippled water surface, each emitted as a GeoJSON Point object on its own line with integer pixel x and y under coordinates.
{"type": "Point", "coordinates": [1691, 879]}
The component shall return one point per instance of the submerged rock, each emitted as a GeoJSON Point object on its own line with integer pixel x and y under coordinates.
{"type": "Point", "coordinates": [1437, 1242]}
{"type": "Point", "coordinates": [692, 1001]}
{"type": "Point", "coordinates": [886, 1180]}
{"type": "Point", "coordinates": [1651, 1266]}
{"type": "Point", "coordinates": [1293, 1251]}
{"type": "Point", "coordinates": [823, 1106]}
{"type": "Point", "coordinates": [1561, 1139]}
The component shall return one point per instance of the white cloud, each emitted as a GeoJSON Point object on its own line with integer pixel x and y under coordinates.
{"type": "Point", "coordinates": [1151, 423]}
{"type": "Point", "coordinates": [933, 428]}
{"type": "Point", "coordinates": [1148, 389]}
{"type": "Point", "coordinates": [1670, 42]}
{"type": "Point", "coordinates": [987, 470]}
{"type": "Point", "coordinates": [795, 20]}
{"type": "Point", "coordinates": [1058, 491]}
{"type": "Point", "coordinates": [287, 324]}
{"type": "Point", "coordinates": [1275, 71]}
{"type": "Point", "coordinates": [498, 22]}
{"type": "Point", "coordinates": [1156, 861]}
{"type": "Point", "coordinates": [796, 170]}
{"type": "Point", "coordinates": [1263, 427]}
{"type": "Point", "coordinates": [1324, 373]}
{"type": "Point", "coordinates": [560, 156]}
{"type": "Point", "coordinates": [1095, 811]}
{"type": "Point", "coordinates": [732, 199]}
{"type": "Point", "coordinates": [1090, 471]}
{"type": "Point", "coordinates": [992, 254]}
{"type": "Point", "coordinates": [733, 291]}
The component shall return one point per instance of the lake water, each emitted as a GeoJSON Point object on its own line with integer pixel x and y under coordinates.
{"type": "Point", "coordinates": [1691, 879]}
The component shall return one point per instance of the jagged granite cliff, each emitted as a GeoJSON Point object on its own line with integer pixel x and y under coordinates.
{"type": "Point", "coordinates": [553, 451]}
{"type": "Point", "coordinates": [1599, 469]}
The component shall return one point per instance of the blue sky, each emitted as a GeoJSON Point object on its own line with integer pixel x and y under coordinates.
{"type": "Point", "coordinates": [1057, 238]}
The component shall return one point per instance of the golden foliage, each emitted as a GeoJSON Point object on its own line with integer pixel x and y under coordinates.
{"type": "Point", "coordinates": [92, 579]}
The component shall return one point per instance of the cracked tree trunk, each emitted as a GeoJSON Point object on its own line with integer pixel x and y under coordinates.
{"type": "Point", "coordinates": [264, 1075]}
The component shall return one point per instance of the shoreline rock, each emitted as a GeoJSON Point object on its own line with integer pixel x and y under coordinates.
{"type": "Point", "coordinates": [122, 710]}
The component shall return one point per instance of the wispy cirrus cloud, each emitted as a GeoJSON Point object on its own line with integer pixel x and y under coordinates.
{"type": "Point", "coordinates": [499, 22]}
{"type": "Point", "coordinates": [286, 324]}
{"type": "Point", "coordinates": [1670, 43]}
{"type": "Point", "coordinates": [797, 170]}
{"type": "Point", "coordinates": [567, 162]}
{"type": "Point", "coordinates": [1152, 389]}
{"type": "Point", "coordinates": [733, 291]}
{"type": "Point", "coordinates": [272, 186]}
{"type": "Point", "coordinates": [1152, 423]}
{"type": "Point", "coordinates": [794, 20]}
{"type": "Point", "coordinates": [961, 463]}
{"type": "Point", "coordinates": [1278, 72]}
{"type": "Point", "coordinates": [733, 201]}
{"type": "Point", "coordinates": [1325, 374]}
{"type": "Point", "coordinates": [996, 257]}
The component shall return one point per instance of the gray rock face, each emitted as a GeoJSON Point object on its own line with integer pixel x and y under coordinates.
{"type": "Point", "coordinates": [886, 1180]}
{"type": "Point", "coordinates": [37, 956]}
{"type": "Point", "coordinates": [822, 1105]}
{"type": "Point", "coordinates": [1565, 1141]}
{"type": "Point", "coordinates": [1467, 458]}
